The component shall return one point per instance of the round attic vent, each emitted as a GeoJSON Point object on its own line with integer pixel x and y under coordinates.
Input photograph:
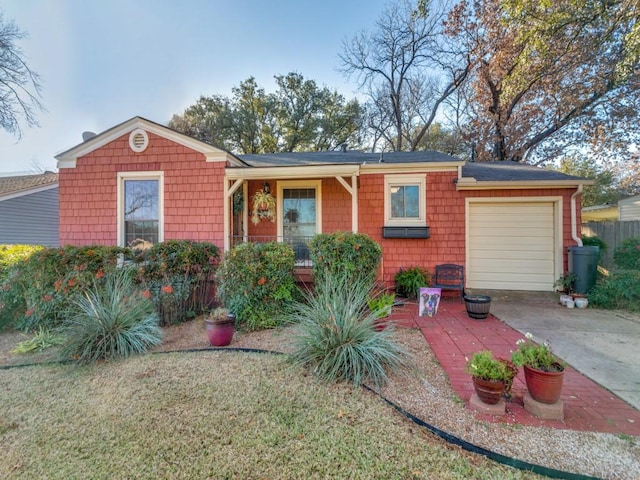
{"type": "Point", "coordinates": [138, 140]}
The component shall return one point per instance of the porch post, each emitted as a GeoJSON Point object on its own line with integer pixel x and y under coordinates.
{"type": "Point", "coordinates": [354, 203]}
{"type": "Point", "coordinates": [353, 190]}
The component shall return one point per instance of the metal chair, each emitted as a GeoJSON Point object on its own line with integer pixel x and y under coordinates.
{"type": "Point", "coordinates": [449, 276]}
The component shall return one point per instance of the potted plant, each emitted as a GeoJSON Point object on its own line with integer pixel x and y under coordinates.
{"type": "Point", "coordinates": [565, 284]}
{"type": "Point", "coordinates": [220, 324]}
{"type": "Point", "coordinates": [477, 306]}
{"type": "Point", "coordinates": [543, 371]}
{"type": "Point", "coordinates": [408, 281]}
{"type": "Point", "coordinates": [381, 306]}
{"type": "Point", "coordinates": [264, 207]}
{"type": "Point", "coordinates": [490, 376]}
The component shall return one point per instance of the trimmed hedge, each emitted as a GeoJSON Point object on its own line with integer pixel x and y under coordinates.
{"type": "Point", "coordinates": [354, 255]}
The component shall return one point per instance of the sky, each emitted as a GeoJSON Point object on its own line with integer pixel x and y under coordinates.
{"type": "Point", "coordinates": [102, 62]}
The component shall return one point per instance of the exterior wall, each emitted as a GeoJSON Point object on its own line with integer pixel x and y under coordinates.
{"type": "Point", "coordinates": [336, 208]}
{"type": "Point", "coordinates": [446, 219]}
{"type": "Point", "coordinates": [193, 192]}
{"type": "Point", "coordinates": [30, 219]}
{"type": "Point", "coordinates": [629, 209]}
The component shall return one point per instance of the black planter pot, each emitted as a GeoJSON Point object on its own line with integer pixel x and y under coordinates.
{"type": "Point", "coordinates": [477, 306]}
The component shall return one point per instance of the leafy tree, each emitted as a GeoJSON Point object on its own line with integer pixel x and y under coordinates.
{"type": "Point", "coordinates": [19, 85]}
{"type": "Point", "coordinates": [603, 190]}
{"type": "Point", "coordinates": [299, 116]}
{"type": "Point", "coordinates": [407, 68]}
{"type": "Point", "coordinates": [548, 75]}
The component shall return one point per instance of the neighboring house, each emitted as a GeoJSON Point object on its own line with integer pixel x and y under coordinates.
{"type": "Point", "coordinates": [508, 224]}
{"type": "Point", "coordinates": [29, 209]}
{"type": "Point", "coordinates": [629, 209]}
{"type": "Point", "coordinates": [600, 213]}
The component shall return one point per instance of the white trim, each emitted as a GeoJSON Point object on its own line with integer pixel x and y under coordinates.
{"type": "Point", "coordinates": [68, 158]}
{"type": "Point", "coordinates": [122, 176]}
{"type": "Point", "coordinates": [405, 180]}
{"type": "Point", "coordinates": [558, 224]}
{"type": "Point", "coordinates": [470, 183]}
{"type": "Point", "coordinates": [132, 140]}
{"type": "Point", "coordinates": [291, 173]}
{"type": "Point", "coordinates": [29, 191]}
{"type": "Point", "coordinates": [315, 184]}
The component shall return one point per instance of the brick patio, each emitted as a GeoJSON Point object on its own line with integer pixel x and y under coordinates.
{"type": "Point", "coordinates": [453, 336]}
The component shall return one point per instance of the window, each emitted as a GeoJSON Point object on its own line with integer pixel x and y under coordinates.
{"type": "Point", "coordinates": [299, 215]}
{"type": "Point", "coordinates": [140, 206]}
{"type": "Point", "coordinates": [405, 200]}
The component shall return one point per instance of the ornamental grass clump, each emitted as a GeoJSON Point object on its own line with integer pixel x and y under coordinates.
{"type": "Point", "coordinates": [337, 338]}
{"type": "Point", "coordinates": [110, 320]}
{"type": "Point", "coordinates": [536, 356]}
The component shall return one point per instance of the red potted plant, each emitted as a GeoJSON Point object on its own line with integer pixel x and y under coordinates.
{"type": "Point", "coordinates": [220, 325]}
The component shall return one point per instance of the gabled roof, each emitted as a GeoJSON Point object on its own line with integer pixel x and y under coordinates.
{"type": "Point", "coordinates": [16, 186]}
{"type": "Point", "coordinates": [67, 159]}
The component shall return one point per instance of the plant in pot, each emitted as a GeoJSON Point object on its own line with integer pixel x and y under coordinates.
{"type": "Point", "coordinates": [264, 207]}
{"type": "Point", "coordinates": [220, 324]}
{"type": "Point", "coordinates": [408, 281]}
{"type": "Point", "coordinates": [381, 305]}
{"type": "Point", "coordinates": [543, 371]}
{"type": "Point", "coordinates": [565, 285]}
{"type": "Point", "coordinates": [491, 376]}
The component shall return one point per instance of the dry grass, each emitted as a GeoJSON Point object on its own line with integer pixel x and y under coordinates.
{"type": "Point", "coordinates": [211, 415]}
{"type": "Point", "coordinates": [172, 395]}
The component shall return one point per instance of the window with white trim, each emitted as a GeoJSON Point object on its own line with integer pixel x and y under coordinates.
{"type": "Point", "coordinates": [405, 202]}
{"type": "Point", "coordinates": [140, 207]}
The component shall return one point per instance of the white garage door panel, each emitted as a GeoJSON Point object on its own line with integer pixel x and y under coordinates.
{"type": "Point", "coordinates": [509, 266]}
{"type": "Point", "coordinates": [511, 245]}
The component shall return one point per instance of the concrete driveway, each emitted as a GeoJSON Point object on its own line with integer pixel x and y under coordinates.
{"type": "Point", "coordinates": [604, 345]}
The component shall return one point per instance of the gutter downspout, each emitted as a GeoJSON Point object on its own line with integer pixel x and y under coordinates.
{"type": "Point", "coordinates": [574, 224]}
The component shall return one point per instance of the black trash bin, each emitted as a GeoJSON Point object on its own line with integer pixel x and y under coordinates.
{"type": "Point", "coordinates": [583, 262]}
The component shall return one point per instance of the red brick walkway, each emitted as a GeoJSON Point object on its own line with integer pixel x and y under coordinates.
{"type": "Point", "coordinates": [453, 336]}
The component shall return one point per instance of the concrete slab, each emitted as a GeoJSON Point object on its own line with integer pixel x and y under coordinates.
{"type": "Point", "coordinates": [554, 411]}
{"type": "Point", "coordinates": [601, 344]}
{"type": "Point", "coordinates": [478, 405]}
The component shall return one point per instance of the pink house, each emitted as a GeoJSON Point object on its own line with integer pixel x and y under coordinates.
{"type": "Point", "coordinates": [508, 224]}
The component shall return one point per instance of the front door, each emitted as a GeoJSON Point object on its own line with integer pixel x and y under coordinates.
{"type": "Point", "coordinates": [299, 219]}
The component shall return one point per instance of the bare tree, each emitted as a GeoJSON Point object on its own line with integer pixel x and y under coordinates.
{"type": "Point", "coordinates": [407, 67]}
{"type": "Point", "coordinates": [19, 85]}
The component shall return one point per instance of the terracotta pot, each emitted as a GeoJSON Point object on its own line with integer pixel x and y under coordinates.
{"type": "Point", "coordinates": [544, 387]}
{"type": "Point", "coordinates": [220, 332]}
{"type": "Point", "coordinates": [489, 391]}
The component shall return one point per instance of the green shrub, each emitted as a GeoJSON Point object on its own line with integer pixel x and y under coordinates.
{"type": "Point", "coordinates": [594, 242]}
{"type": "Point", "coordinates": [627, 254]}
{"type": "Point", "coordinates": [620, 290]}
{"type": "Point", "coordinates": [42, 340]}
{"type": "Point", "coordinates": [178, 276]}
{"type": "Point", "coordinates": [337, 338]}
{"type": "Point", "coordinates": [10, 255]}
{"type": "Point", "coordinates": [255, 282]}
{"type": "Point", "coordinates": [408, 281]}
{"type": "Point", "coordinates": [110, 320]}
{"type": "Point", "coordinates": [37, 290]}
{"type": "Point", "coordinates": [344, 253]}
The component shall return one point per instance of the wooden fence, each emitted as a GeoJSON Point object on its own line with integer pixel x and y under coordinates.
{"type": "Point", "coordinates": [613, 234]}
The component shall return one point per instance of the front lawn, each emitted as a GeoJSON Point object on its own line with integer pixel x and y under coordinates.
{"type": "Point", "coordinates": [211, 415]}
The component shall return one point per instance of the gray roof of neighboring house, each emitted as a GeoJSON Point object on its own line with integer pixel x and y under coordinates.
{"type": "Point", "coordinates": [508, 171]}
{"type": "Point", "coordinates": [16, 184]}
{"type": "Point", "coordinates": [342, 158]}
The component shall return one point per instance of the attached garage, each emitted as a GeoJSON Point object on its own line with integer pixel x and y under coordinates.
{"type": "Point", "coordinates": [513, 244]}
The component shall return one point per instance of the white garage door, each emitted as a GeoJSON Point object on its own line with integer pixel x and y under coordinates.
{"type": "Point", "coordinates": [511, 246]}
